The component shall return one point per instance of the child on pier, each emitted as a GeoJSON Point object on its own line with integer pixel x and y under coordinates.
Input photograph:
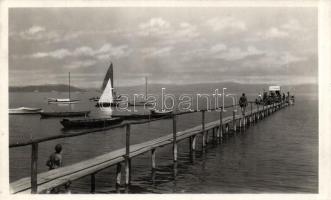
{"type": "Point", "coordinates": [55, 159]}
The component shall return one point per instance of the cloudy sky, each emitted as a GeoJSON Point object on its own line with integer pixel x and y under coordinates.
{"type": "Point", "coordinates": [169, 45]}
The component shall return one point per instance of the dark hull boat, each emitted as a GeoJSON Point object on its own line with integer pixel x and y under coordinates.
{"type": "Point", "coordinates": [106, 104]}
{"type": "Point", "coordinates": [139, 116]}
{"type": "Point", "coordinates": [161, 113]}
{"type": "Point", "coordinates": [141, 103]}
{"type": "Point", "coordinates": [94, 99]}
{"type": "Point", "coordinates": [90, 123]}
{"type": "Point", "coordinates": [65, 114]}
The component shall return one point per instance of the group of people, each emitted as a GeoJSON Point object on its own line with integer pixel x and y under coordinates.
{"type": "Point", "coordinates": [272, 97]}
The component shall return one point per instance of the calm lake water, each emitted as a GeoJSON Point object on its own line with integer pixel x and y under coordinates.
{"type": "Point", "coordinates": [279, 154]}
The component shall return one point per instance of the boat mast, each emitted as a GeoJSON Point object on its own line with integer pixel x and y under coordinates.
{"type": "Point", "coordinates": [145, 87]}
{"type": "Point", "coordinates": [69, 86]}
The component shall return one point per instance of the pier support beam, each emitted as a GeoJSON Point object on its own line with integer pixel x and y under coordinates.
{"type": "Point", "coordinates": [174, 137]}
{"type": "Point", "coordinates": [93, 183]}
{"type": "Point", "coordinates": [203, 129]}
{"type": "Point", "coordinates": [220, 128]}
{"type": "Point", "coordinates": [127, 156]}
{"type": "Point", "coordinates": [118, 174]}
{"type": "Point", "coordinates": [153, 159]}
{"type": "Point", "coordinates": [194, 141]}
{"type": "Point", "coordinates": [234, 127]}
{"type": "Point", "coordinates": [34, 168]}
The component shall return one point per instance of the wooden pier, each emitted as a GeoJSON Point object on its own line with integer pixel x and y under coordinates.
{"type": "Point", "coordinates": [221, 128]}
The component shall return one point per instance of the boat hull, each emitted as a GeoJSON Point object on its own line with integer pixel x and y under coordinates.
{"type": "Point", "coordinates": [63, 102]}
{"type": "Point", "coordinates": [90, 123]}
{"type": "Point", "coordinates": [106, 104]}
{"type": "Point", "coordinates": [139, 116]}
{"type": "Point", "coordinates": [65, 114]}
{"type": "Point", "coordinates": [146, 104]}
{"type": "Point", "coordinates": [160, 113]}
{"type": "Point", "coordinates": [24, 110]}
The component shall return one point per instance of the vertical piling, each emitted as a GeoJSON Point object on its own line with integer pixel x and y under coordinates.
{"type": "Point", "coordinates": [93, 183]}
{"type": "Point", "coordinates": [127, 156]}
{"type": "Point", "coordinates": [118, 174]}
{"type": "Point", "coordinates": [194, 141]}
{"type": "Point", "coordinates": [220, 128]}
{"type": "Point", "coordinates": [153, 159]}
{"type": "Point", "coordinates": [251, 116]}
{"type": "Point", "coordinates": [234, 127]}
{"type": "Point", "coordinates": [34, 168]}
{"type": "Point", "coordinates": [203, 129]}
{"type": "Point", "coordinates": [174, 134]}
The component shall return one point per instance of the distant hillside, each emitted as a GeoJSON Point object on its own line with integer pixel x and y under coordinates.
{"type": "Point", "coordinates": [231, 88]}
{"type": "Point", "coordinates": [44, 88]}
{"type": "Point", "coordinates": [156, 88]}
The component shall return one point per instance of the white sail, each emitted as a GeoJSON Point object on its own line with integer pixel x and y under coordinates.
{"type": "Point", "coordinates": [107, 95]}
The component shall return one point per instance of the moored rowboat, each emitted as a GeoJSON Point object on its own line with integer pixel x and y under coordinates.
{"type": "Point", "coordinates": [157, 112]}
{"type": "Point", "coordinates": [24, 110]}
{"type": "Point", "coordinates": [90, 123]}
{"type": "Point", "coordinates": [65, 114]}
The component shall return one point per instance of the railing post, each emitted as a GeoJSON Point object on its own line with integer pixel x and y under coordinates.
{"type": "Point", "coordinates": [203, 129]}
{"type": "Point", "coordinates": [34, 168]}
{"type": "Point", "coordinates": [174, 134]}
{"type": "Point", "coordinates": [127, 156]}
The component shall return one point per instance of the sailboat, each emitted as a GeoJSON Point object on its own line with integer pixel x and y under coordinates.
{"type": "Point", "coordinates": [63, 101]}
{"type": "Point", "coordinates": [108, 97]}
{"type": "Point", "coordinates": [69, 113]}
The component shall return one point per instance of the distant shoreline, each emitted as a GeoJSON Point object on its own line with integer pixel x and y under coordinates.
{"type": "Point", "coordinates": [248, 88]}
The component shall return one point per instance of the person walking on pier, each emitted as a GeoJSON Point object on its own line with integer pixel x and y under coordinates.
{"type": "Point", "coordinates": [243, 103]}
{"type": "Point", "coordinates": [55, 159]}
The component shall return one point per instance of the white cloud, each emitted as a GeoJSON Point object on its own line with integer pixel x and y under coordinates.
{"type": "Point", "coordinates": [236, 53]}
{"type": "Point", "coordinates": [59, 54]}
{"type": "Point", "coordinates": [35, 29]}
{"type": "Point", "coordinates": [229, 24]}
{"type": "Point", "coordinates": [36, 33]}
{"type": "Point", "coordinates": [218, 47]}
{"type": "Point", "coordinates": [167, 33]}
{"type": "Point", "coordinates": [274, 59]}
{"type": "Point", "coordinates": [153, 52]}
{"type": "Point", "coordinates": [155, 26]}
{"type": "Point", "coordinates": [105, 52]}
{"type": "Point", "coordinates": [80, 64]}
{"type": "Point", "coordinates": [292, 25]}
{"type": "Point", "coordinates": [275, 33]}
